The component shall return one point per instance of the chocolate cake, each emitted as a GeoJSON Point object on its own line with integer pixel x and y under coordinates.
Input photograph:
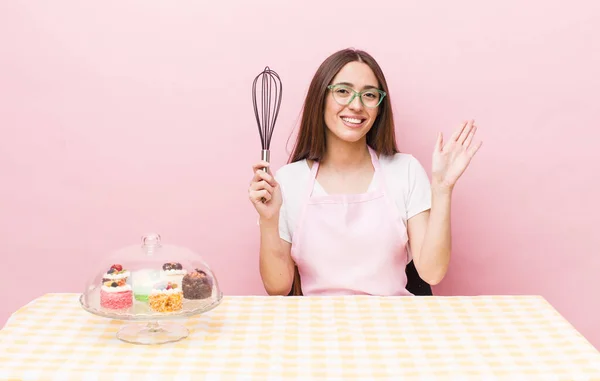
{"type": "Point", "coordinates": [196, 285]}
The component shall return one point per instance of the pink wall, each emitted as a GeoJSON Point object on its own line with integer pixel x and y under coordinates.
{"type": "Point", "coordinates": [111, 114]}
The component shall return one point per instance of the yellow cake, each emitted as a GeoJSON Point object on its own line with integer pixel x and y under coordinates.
{"type": "Point", "coordinates": [166, 297]}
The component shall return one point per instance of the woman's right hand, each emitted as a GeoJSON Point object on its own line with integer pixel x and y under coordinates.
{"type": "Point", "coordinates": [264, 187]}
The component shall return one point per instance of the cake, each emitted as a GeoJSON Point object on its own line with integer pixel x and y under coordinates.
{"type": "Point", "coordinates": [142, 282]}
{"type": "Point", "coordinates": [173, 272]}
{"type": "Point", "coordinates": [116, 295]}
{"type": "Point", "coordinates": [166, 297]}
{"type": "Point", "coordinates": [196, 285]}
{"type": "Point", "coordinates": [115, 273]}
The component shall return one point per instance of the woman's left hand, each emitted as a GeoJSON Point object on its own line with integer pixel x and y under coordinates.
{"type": "Point", "coordinates": [452, 158]}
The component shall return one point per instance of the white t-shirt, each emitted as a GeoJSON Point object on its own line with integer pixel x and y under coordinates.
{"type": "Point", "coordinates": [405, 177]}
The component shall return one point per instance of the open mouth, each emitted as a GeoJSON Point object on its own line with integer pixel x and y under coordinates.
{"type": "Point", "coordinates": [353, 121]}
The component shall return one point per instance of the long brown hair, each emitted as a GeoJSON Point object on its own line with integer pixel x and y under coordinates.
{"type": "Point", "coordinates": [310, 143]}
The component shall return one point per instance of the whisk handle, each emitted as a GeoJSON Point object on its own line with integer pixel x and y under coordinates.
{"type": "Point", "coordinates": [265, 156]}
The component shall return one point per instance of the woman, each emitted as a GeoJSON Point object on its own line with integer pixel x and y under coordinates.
{"type": "Point", "coordinates": [339, 217]}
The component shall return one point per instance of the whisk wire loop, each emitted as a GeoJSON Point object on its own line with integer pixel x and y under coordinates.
{"type": "Point", "coordinates": [266, 99]}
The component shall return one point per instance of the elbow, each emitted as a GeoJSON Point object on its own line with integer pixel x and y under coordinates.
{"type": "Point", "coordinates": [432, 266]}
{"type": "Point", "coordinates": [277, 286]}
{"type": "Point", "coordinates": [432, 275]}
{"type": "Point", "coordinates": [434, 279]}
{"type": "Point", "coordinates": [278, 290]}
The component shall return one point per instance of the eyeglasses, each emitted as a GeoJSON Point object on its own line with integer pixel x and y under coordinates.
{"type": "Point", "coordinates": [344, 95]}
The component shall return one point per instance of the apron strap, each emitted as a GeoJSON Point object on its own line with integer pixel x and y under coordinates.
{"type": "Point", "coordinates": [306, 198]}
{"type": "Point", "coordinates": [311, 180]}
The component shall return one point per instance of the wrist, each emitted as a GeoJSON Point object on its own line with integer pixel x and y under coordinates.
{"type": "Point", "coordinates": [268, 221]}
{"type": "Point", "coordinates": [441, 189]}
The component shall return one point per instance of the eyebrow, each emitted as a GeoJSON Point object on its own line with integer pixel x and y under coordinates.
{"type": "Point", "coordinates": [352, 85]}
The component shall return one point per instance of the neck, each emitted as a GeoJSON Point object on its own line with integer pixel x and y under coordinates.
{"type": "Point", "coordinates": [344, 155]}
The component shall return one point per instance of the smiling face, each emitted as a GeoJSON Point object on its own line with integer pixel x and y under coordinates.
{"type": "Point", "coordinates": [351, 122]}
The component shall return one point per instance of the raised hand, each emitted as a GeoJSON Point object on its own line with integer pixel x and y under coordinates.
{"type": "Point", "coordinates": [264, 192]}
{"type": "Point", "coordinates": [450, 159]}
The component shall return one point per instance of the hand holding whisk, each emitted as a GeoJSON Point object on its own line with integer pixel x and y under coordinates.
{"type": "Point", "coordinates": [266, 99]}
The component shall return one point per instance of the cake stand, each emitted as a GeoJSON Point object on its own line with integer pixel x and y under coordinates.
{"type": "Point", "coordinates": [146, 325]}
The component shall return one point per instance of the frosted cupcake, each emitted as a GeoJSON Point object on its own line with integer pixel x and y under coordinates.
{"type": "Point", "coordinates": [116, 295]}
{"type": "Point", "coordinates": [173, 272]}
{"type": "Point", "coordinates": [166, 297]}
{"type": "Point", "coordinates": [142, 282]}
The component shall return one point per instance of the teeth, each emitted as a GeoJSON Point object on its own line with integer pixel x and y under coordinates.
{"type": "Point", "coordinates": [352, 120]}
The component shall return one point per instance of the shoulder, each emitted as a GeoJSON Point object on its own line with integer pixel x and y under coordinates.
{"type": "Point", "coordinates": [409, 183]}
{"type": "Point", "coordinates": [292, 172]}
{"type": "Point", "coordinates": [405, 174]}
{"type": "Point", "coordinates": [291, 177]}
{"type": "Point", "coordinates": [401, 163]}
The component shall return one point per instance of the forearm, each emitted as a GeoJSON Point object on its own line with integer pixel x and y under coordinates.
{"type": "Point", "coordinates": [434, 257]}
{"type": "Point", "coordinates": [276, 267]}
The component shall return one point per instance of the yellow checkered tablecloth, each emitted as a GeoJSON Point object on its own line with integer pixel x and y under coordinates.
{"type": "Point", "coordinates": [303, 338]}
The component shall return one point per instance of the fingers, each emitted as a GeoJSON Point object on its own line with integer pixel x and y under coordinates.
{"type": "Point", "coordinates": [439, 142]}
{"type": "Point", "coordinates": [260, 166]}
{"type": "Point", "coordinates": [260, 175]}
{"type": "Point", "coordinates": [473, 149]}
{"type": "Point", "coordinates": [465, 132]}
{"type": "Point", "coordinates": [257, 196]}
{"type": "Point", "coordinates": [459, 131]}
{"type": "Point", "coordinates": [469, 138]}
{"type": "Point", "coordinates": [260, 185]}
{"type": "Point", "coordinates": [260, 190]}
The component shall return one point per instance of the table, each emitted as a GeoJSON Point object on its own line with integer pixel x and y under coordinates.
{"type": "Point", "coordinates": [304, 338]}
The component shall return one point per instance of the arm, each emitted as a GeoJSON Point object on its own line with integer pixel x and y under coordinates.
{"type": "Point", "coordinates": [429, 232]}
{"type": "Point", "coordinates": [276, 264]}
{"type": "Point", "coordinates": [429, 235]}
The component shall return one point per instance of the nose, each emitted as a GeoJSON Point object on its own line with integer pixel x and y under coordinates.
{"type": "Point", "coordinates": [356, 104]}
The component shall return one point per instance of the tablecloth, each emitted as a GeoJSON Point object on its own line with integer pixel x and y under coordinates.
{"type": "Point", "coordinates": [304, 338]}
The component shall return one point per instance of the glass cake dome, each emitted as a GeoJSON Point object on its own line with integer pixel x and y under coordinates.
{"type": "Point", "coordinates": [151, 282]}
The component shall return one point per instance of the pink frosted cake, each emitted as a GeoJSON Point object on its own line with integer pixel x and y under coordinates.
{"type": "Point", "coordinates": [115, 293]}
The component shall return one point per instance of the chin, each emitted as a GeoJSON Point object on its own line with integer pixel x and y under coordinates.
{"type": "Point", "coordinates": [350, 136]}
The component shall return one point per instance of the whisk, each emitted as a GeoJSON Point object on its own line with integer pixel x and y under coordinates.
{"type": "Point", "coordinates": [268, 94]}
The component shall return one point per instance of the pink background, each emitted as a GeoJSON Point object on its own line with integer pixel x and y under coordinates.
{"type": "Point", "coordinates": [123, 117]}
